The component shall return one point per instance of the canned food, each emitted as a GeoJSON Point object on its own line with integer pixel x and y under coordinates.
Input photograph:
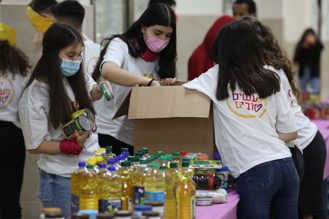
{"type": "Point", "coordinates": [107, 93]}
{"type": "Point", "coordinates": [87, 112]}
{"type": "Point", "coordinates": [207, 181]}
{"type": "Point", "coordinates": [81, 123]}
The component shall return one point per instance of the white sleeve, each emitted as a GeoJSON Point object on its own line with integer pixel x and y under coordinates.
{"type": "Point", "coordinates": [116, 52]}
{"type": "Point", "coordinates": [34, 122]}
{"type": "Point", "coordinates": [89, 82]}
{"type": "Point", "coordinates": [285, 120]}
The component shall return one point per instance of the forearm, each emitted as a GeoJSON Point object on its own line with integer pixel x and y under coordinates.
{"type": "Point", "coordinates": [286, 137]}
{"type": "Point", "coordinates": [116, 75]}
{"type": "Point", "coordinates": [47, 147]}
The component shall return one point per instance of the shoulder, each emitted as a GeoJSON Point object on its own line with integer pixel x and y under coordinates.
{"type": "Point", "coordinates": [35, 94]}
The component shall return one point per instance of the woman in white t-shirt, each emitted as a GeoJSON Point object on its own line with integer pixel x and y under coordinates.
{"type": "Point", "coordinates": [58, 86]}
{"type": "Point", "coordinates": [143, 55]}
{"type": "Point", "coordinates": [252, 122]}
{"type": "Point", "coordinates": [14, 74]}
{"type": "Point", "coordinates": [311, 200]}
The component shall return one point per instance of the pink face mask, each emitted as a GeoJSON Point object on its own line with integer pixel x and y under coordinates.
{"type": "Point", "coordinates": [155, 44]}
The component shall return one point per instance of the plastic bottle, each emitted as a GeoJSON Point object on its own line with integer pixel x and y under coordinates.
{"type": "Point", "coordinates": [170, 200]}
{"type": "Point", "coordinates": [124, 150]}
{"type": "Point", "coordinates": [89, 190]}
{"type": "Point", "coordinates": [183, 154]}
{"type": "Point", "coordinates": [139, 209]}
{"type": "Point", "coordinates": [173, 171]}
{"type": "Point", "coordinates": [110, 163]}
{"type": "Point", "coordinates": [177, 158]}
{"type": "Point", "coordinates": [103, 152]}
{"type": "Point", "coordinates": [92, 213]}
{"type": "Point", "coordinates": [112, 192]}
{"type": "Point", "coordinates": [108, 153]}
{"type": "Point", "coordinates": [138, 180]}
{"type": "Point", "coordinates": [154, 187]}
{"type": "Point", "coordinates": [75, 187]}
{"type": "Point", "coordinates": [186, 193]}
{"type": "Point", "coordinates": [127, 187]}
{"type": "Point", "coordinates": [146, 150]}
{"type": "Point", "coordinates": [136, 162]}
{"type": "Point", "coordinates": [118, 162]}
{"type": "Point", "coordinates": [102, 173]}
{"type": "Point", "coordinates": [79, 216]}
{"type": "Point", "coordinates": [163, 161]}
{"type": "Point", "coordinates": [170, 158]}
{"type": "Point", "coordinates": [207, 181]}
{"type": "Point", "coordinates": [92, 161]}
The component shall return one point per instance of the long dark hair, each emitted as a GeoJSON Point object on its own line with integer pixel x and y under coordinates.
{"type": "Point", "coordinates": [58, 37]}
{"type": "Point", "coordinates": [238, 53]}
{"type": "Point", "coordinates": [156, 14]}
{"type": "Point", "coordinates": [13, 60]}
{"type": "Point", "coordinates": [301, 42]}
{"type": "Point", "coordinates": [273, 54]}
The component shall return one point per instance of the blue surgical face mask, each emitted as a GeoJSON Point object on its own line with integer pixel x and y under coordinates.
{"type": "Point", "coordinates": [69, 67]}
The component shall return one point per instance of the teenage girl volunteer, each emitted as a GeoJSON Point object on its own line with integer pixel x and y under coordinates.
{"type": "Point", "coordinates": [252, 122]}
{"type": "Point", "coordinates": [143, 55]}
{"type": "Point", "coordinates": [58, 85]}
{"type": "Point", "coordinates": [14, 74]}
{"type": "Point", "coordinates": [311, 200]}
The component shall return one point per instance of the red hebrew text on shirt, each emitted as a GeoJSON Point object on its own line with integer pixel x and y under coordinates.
{"type": "Point", "coordinates": [7, 92]}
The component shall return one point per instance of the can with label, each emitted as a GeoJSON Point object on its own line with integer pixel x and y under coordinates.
{"type": "Point", "coordinates": [81, 123]}
{"type": "Point", "coordinates": [87, 112]}
{"type": "Point", "coordinates": [106, 91]}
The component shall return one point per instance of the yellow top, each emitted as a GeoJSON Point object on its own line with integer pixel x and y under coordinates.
{"type": "Point", "coordinates": [41, 24]}
{"type": "Point", "coordinates": [8, 33]}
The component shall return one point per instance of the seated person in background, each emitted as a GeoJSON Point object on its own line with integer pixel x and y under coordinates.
{"type": "Point", "coordinates": [244, 8]}
{"type": "Point", "coordinates": [201, 59]}
{"type": "Point", "coordinates": [73, 13]}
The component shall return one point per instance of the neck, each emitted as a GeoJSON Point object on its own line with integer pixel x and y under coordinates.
{"type": "Point", "coordinates": [83, 38]}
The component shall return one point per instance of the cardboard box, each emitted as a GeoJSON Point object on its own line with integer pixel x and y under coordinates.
{"type": "Point", "coordinates": [170, 118]}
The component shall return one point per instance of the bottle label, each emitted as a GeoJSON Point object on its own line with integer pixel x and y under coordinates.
{"type": "Point", "coordinates": [110, 206]}
{"type": "Point", "coordinates": [139, 195]}
{"type": "Point", "coordinates": [74, 203]}
{"type": "Point", "coordinates": [154, 197]}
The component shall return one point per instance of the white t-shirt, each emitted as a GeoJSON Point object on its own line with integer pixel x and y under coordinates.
{"type": "Point", "coordinates": [11, 89]}
{"type": "Point", "coordinates": [121, 128]}
{"type": "Point", "coordinates": [91, 56]}
{"type": "Point", "coordinates": [306, 129]}
{"type": "Point", "coordinates": [246, 126]}
{"type": "Point", "coordinates": [33, 113]}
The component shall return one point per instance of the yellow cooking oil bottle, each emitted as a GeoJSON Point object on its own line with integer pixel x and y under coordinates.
{"type": "Point", "coordinates": [109, 155]}
{"type": "Point", "coordinates": [111, 192]}
{"type": "Point", "coordinates": [127, 186]}
{"type": "Point", "coordinates": [186, 193]}
{"type": "Point", "coordinates": [155, 188]}
{"type": "Point", "coordinates": [138, 180]}
{"type": "Point", "coordinates": [170, 200]}
{"type": "Point", "coordinates": [101, 174]}
{"type": "Point", "coordinates": [88, 192]}
{"type": "Point", "coordinates": [75, 187]}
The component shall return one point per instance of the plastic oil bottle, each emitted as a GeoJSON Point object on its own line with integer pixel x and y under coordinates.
{"type": "Point", "coordinates": [138, 180]}
{"type": "Point", "coordinates": [154, 187]}
{"type": "Point", "coordinates": [170, 200]}
{"type": "Point", "coordinates": [163, 161]}
{"type": "Point", "coordinates": [89, 190]}
{"type": "Point", "coordinates": [111, 192]}
{"type": "Point", "coordinates": [177, 158]}
{"type": "Point", "coordinates": [146, 150]}
{"type": "Point", "coordinates": [127, 187]}
{"type": "Point", "coordinates": [102, 172]}
{"type": "Point", "coordinates": [186, 193]}
{"type": "Point", "coordinates": [75, 186]}
{"type": "Point", "coordinates": [173, 171]}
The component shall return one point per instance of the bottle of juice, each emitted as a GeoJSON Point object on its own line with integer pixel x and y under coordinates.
{"type": "Point", "coordinates": [112, 192]}
{"type": "Point", "coordinates": [170, 200]}
{"type": "Point", "coordinates": [163, 161]}
{"type": "Point", "coordinates": [89, 190]}
{"type": "Point", "coordinates": [138, 180]}
{"type": "Point", "coordinates": [154, 187]}
{"type": "Point", "coordinates": [186, 193]}
{"type": "Point", "coordinates": [127, 187]}
{"type": "Point", "coordinates": [75, 186]}
{"type": "Point", "coordinates": [102, 172]}
{"type": "Point", "coordinates": [177, 158]}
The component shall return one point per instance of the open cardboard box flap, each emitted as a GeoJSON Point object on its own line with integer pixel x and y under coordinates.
{"type": "Point", "coordinates": [164, 102]}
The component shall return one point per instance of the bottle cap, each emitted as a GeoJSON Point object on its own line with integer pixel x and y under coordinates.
{"type": "Point", "coordinates": [143, 162]}
{"type": "Point", "coordinates": [155, 165]}
{"type": "Point", "coordinates": [92, 163]}
{"type": "Point", "coordinates": [146, 150]}
{"type": "Point", "coordinates": [137, 159]}
{"type": "Point", "coordinates": [216, 156]}
{"type": "Point", "coordinates": [99, 159]}
{"type": "Point", "coordinates": [163, 167]}
{"type": "Point", "coordinates": [143, 207]}
{"type": "Point", "coordinates": [111, 161]}
{"type": "Point", "coordinates": [82, 164]}
{"type": "Point", "coordinates": [139, 154]}
{"type": "Point", "coordinates": [125, 164]}
{"type": "Point", "coordinates": [185, 164]}
{"type": "Point", "coordinates": [103, 150]}
{"type": "Point", "coordinates": [176, 154]}
{"type": "Point", "coordinates": [89, 166]}
{"type": "Point", "coordinates": [169, 156]}
{"type": "Point", "coordinates": [173, 165]}
{"type": "Point", "coordinates": [160, 152]}
{"type": "Point", "coordinates": [186, 159]}
{"type": "Point", "coordinates": [124, 150]}
{"type": "Point", "coordinates": [111, 168]}
{"type": "Point", "coordinates": [224, 168]}
{"type": "Point", "coordinates": [142, 152]}
{"type": "Point", "coordinates": [163, 158]}
{"type": "Point", "coordinates": [92, 159]}
{"type": "Point", "coordinates": [109, 149]}
{"type": "Point", "coordinates": [149, 160]}
{"type": "Point", "coordinates": [102, 165]}
{"type": "Point", "coordinates": [120, 157]}
{"type": "Point", "coordinates": [131, 158]}
{"type": "Point", "coordinates": [183, 153]}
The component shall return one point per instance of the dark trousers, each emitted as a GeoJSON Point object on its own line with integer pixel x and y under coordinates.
{"type": "Point", "coordinates": [298, 159]}
{"type": "Point", "coordinates": [12, 159]}
{"type": "Point", "coordinates": [108, 140]}
{"type": "Point", "coordinates": [311, 200]}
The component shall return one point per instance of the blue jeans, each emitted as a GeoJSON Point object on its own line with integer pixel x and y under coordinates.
{"type": "Point", "coordinates": [55, 191]}
{"type": "Point", "coordinates": [306, 78]}
{"type": "Point", "coordinates": [270, 188]}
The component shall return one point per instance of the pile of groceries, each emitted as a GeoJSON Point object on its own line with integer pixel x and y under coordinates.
{"type": "Point", "coordinates": [145, 186]}
{"type": "Point", "coordinates": [312, 106]}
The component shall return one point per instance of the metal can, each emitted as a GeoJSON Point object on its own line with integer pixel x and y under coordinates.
{"type": "Point", "coordinates": [81, 123]}
{"type": "Point", "coordinates": [107, 93]}
{"type": "Point", "coordinates": [87, 112]}
{"type": "Point", "coordinates": [207, 181]}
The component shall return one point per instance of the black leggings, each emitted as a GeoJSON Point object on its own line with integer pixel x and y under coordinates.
{"type": "Point", "coordinates": [311, 200]}
{"type": "Point", "coordinates": [12, 159]}
{"type": "Point", "coordinates": [108, 140]}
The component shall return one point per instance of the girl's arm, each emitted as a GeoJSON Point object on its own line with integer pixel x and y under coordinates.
{"type": "Point", "coordinates": [96, 93]}
{"type": "Point", "coordinates": [286, 137]}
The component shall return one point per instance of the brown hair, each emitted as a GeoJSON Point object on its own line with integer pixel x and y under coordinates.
{"type": "Point", "coordinates": [273, 54]}
{"type": "Point", "coordinates": [13, 60]}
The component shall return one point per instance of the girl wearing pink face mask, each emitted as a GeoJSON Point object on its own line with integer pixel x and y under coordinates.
{"type": "Point", "coordinates": [144, 54]}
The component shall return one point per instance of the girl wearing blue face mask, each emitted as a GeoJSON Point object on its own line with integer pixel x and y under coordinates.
{"type": "Point", "coordinates": [144, 54]}
{"type": "Point", "coordinates": [58, 87]}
